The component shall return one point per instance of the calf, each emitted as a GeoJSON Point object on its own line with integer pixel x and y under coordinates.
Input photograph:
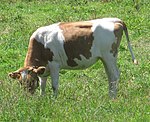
{"type": "Point", "coordinates": [72, 45]}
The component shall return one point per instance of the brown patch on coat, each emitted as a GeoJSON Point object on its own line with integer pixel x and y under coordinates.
{"type": "Point", "coordinates": [37, 54]}
{"type": "Point", "coordinates": [118, 31]}
{"type": "Point", "coordinates": [78, 40]}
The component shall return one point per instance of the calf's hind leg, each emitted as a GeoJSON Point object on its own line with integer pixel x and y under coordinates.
{"type": "Point", "coordinates": [113, 74]}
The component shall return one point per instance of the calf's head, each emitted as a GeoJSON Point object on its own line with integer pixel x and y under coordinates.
{"type": "Point", "coordinates": [28, 77]}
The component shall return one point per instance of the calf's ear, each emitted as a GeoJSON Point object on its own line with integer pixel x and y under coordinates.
{"type": "Point", "coordinates": [40, 70]}
{"type": "Point", "coordinates": [14, 75]}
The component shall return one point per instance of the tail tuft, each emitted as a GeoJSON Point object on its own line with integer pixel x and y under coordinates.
{"type": "Point", "coordinates": [135, 61]}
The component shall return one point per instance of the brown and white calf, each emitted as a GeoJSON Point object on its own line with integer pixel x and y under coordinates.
{"type": "Point", "coordinates": [72, 45]}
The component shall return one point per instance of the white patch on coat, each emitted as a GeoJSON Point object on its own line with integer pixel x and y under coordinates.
{"type": "Point", "coordinates": [84, 62]}
{"type": "Point", "coordinates": [51, 37]}
{"type": "Point", "coordinates": [103, 32]}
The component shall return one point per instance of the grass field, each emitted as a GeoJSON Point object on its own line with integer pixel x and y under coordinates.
{"type": "Point", "coordinates": [83, 94]}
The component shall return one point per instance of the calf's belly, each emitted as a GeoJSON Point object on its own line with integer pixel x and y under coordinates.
{"type": "Point", "coordinates": [81, 64]}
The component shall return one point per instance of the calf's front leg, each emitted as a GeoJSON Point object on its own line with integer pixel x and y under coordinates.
{"type": "Point", "coordinates": [54, 72]}
{"type": "Point", "coordinates": [42, 85]}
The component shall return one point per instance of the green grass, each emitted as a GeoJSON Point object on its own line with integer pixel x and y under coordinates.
{"type": "Point", "coordinates": [83, 94]}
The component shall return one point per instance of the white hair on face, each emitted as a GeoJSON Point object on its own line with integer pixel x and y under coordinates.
{"type": "Point", "coordinates": [24, 74]}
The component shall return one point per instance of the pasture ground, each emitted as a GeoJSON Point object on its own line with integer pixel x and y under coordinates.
{"type": "Point", "coordinates": [83, 94]}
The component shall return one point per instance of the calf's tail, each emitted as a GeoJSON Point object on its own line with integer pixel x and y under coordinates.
{"type": "Point", "coordinates": [128, 41]}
